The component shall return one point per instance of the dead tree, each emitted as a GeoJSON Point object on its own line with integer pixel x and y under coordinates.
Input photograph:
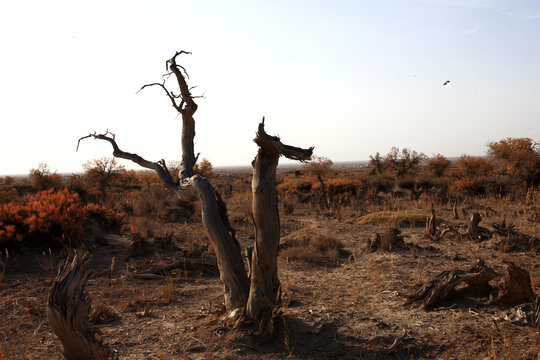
{"type": "Point", "coordinates": [264, 290]}
{"type": "Point", "coordinates": [68, 309]}
{"type": "Point", "coordinates": [192, 187]}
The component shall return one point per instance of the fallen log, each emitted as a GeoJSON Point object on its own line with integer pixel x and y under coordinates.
{"type": "Point", "coordinates": [443, 286]}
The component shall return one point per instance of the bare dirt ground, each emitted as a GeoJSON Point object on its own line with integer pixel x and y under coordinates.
{"type": "Point", "coordinates": [348, 308]}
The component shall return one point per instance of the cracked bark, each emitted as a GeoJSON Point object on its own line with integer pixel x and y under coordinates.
{"type": "Point", "coordinates": [68, 308]}
{"type": "Point", "coordinates": [192, 187]}
{"type": "Point", "coordinates": [265, 285]}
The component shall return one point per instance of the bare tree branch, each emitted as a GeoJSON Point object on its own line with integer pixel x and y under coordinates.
{"type": "Point", "coordinates": [162, 172]}
{"type": "Point", "coordinates": [169, 94]}
{"type": "Point", "coordinates": [191, 106]}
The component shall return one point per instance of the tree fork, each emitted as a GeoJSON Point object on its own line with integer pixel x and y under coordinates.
{"type": "Point", "coordinates": [190, 187]}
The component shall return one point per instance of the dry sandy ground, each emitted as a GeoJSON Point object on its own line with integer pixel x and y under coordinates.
{"type": "Point", "coordinates": [354, 309]}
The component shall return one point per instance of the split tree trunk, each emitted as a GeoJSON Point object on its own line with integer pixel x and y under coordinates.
{"type": "Point", "coordinates": [68, 308]}
{"type": "Point", "coordinates": [264, 290]}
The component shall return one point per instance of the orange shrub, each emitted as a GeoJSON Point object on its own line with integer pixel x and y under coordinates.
{"type": "Point", "coordinates": [8, 194]}
{"type": "Point", "coordinates": [108, 217]}
{"type": "Point", "coordinates": [468, 186]}
{"type": "Point", "coordinates": [295, 186]}
{"type": "Point", "coordinates": [339, 186]}
{"type": "Point", "coordinates": [56, 216]}
{"type": "Point", "coordinates": [51, 217]}
{"type": "Point", "coordinates": [437, 165]}
{"type": "Point", "coordinates": [475, 166]}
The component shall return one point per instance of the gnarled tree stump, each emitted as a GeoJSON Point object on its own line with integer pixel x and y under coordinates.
{"type": "Point", "coordinates": [515, 288]}
{"type": "Point", "coordinates": [68, 309]}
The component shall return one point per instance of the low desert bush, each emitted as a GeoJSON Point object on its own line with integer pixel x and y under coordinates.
{"type": "Point", "coordinates": [469, 186]}
{"type": "Point", "coordinates": [50, 218]}
{"type": "Point", "coordinates": [109, 218]}
{"type": "Point", "coordinates": [312, 248]}
{"type": "Point", "coordinates": [42, 178]}
{"type": "Point", "coordinates": [471, 167]}
{"type": "Point", "coordinates": [8, 194]}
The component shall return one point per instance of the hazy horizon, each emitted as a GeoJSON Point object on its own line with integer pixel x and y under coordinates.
{"type": "Point", "coordinates": [350, 78]}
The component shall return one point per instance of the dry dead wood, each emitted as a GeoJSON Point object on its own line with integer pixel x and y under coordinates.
{"type": "Point", "coordinates": [443, 286]}
{"type": "Point", "coordinates": [68, 308]}
{"type": "Point", "coordinates": [503, 229]}
{"type": "Point", "coordinates": [387, 241]}
{"type": "Point", "coordinates": [431, 228]}
{"type": "Point", "coordinates": [515, 288]}
{"type": "Point", "coordinates": [265, 286]}
{"type": "Point", "coordinates": [474, 230]}
{"type": "Point", "coordinates": [191, 187]}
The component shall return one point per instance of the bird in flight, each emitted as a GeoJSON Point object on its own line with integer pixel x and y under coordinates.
{"type": "Point", "coordinates": [446, 83]}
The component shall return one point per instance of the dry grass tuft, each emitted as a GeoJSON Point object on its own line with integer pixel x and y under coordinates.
{"type": "Point", "coordinates": [394, 218]}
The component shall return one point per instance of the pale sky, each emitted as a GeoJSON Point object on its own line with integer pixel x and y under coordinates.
{"type": "Point", "coordinates": [348, 77]}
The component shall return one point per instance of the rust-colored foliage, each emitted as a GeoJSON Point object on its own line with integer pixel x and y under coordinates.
{"type": "Point", "coordinates": [109, 218]}
{"type": "Point", "coordinates": [437, 165]}
{"type": "Point", "coordinates": [57, 216]}
{"type": "Point", "coordinates": [319, 166]}
{"type": "Point", "coordinates": [8, 194]}
{"type": "Point", "coordinates": [295, 186]}
{"type": "Point", "coordinates": [204, 168]}
{"type": "Point", "coordinates": [103, 173]}
{"type": "Point", "coordinates": [51, 217]}
{"type": "Point", "coordinates": [377, 163]}
{"type": "Point", "coordinates": [42, 178]}
{"type": "Point", "coordinates": [338, 186]}
{"type": "Point", "coordinates": [520, 156]}
{"type": "Point", "coordinates": [471, 166]}
{"type": "Point", "coordinates": [404, 161]}
{"type": "Point", "coordinates": [468, 186]}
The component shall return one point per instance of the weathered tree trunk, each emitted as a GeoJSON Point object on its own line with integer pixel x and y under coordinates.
{"type": "Point", "coordinates": [472, 226]}
{"type": "Point", "coordinates": [431, 229]}
{"type": "Point", "coordinates": [190, 187]}
{"type": "Point", "coordinates": [68, 308]}
{"type": "Point", "coordinates": [325, 202]}
{"type": "Point", "coordinates": [264, 290]}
